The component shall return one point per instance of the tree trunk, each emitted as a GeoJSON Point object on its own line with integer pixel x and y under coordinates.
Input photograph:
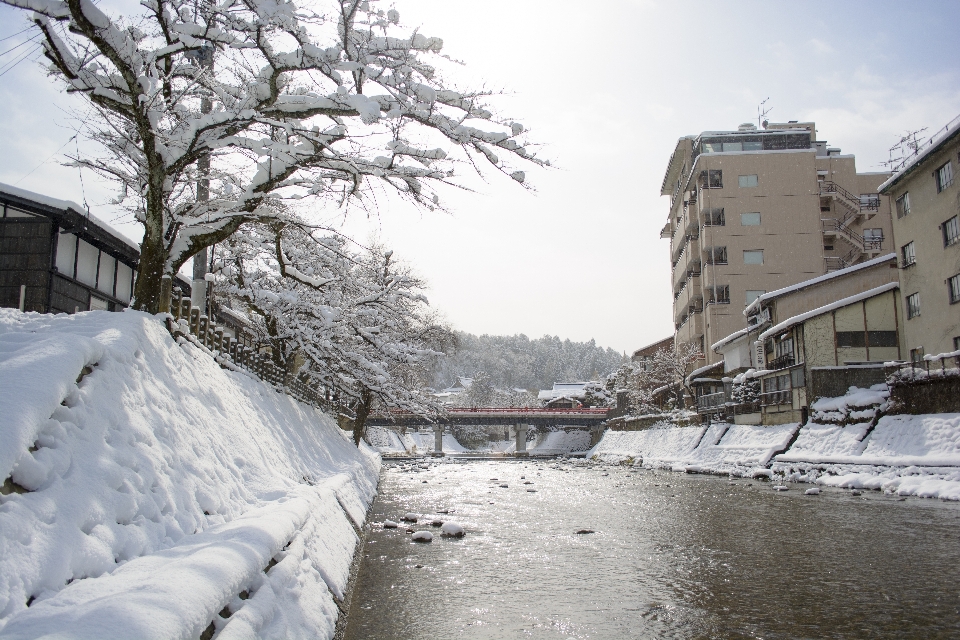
{"type": "Point", "coordinates": [153, 256]}
{"type": "Point", "coordinates": [363, 410]}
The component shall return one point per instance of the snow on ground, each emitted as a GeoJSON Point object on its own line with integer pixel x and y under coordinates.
{"type": "Point", "coordinates": [559, 442]}
{"type": "Point", "coordinates": [659, 446]}
{"type": "Point", "coordinates": [739, 449]}
{"type": "Point", "coordinates": [157, 489]}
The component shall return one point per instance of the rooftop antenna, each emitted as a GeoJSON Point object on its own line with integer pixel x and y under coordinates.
{"type": "Point", "coordinates": [762, 113]}
{"type": "Point", "coordinates": [906, 147]}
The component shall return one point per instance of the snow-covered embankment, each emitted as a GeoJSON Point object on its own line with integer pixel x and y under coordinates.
{"type": "Point", "coordinates": [845, 444]}
{"type": "Point", "coordinates": [152, 494]}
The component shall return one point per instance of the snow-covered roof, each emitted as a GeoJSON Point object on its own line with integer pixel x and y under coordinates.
{"type": "Point", "coordinates": [935, 142]}
{"type": "Point", "coordinates": [753, 306]}
{"type": "Point", "coordinates": [730, 338]}
{"type": "Point", "coordinates": [696, 372]}
{"type": "Point", "coordinates": [563, 390]}
{"type": "Point", "coordinates": [789, 322]}
{"type": "Point", "coordinates": [63, 205]}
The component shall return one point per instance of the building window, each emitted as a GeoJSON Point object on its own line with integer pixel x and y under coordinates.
{"type": "Point", "coordinates": [713, 217]}
{"type": "Point", "coordinates": [913, 305]}
{"type": "Point", "coordinates": [908, 255]}
{"type": "Point", "coordinates": [956, 343]}
{"type": "Point", "coordinates": [873, 235]}
{"type": "Point", "coordinates": [951, 231]}
{"type": "Point", "coordinates": [882, 338]}
{"type": "Point", "coordinates": [944, 176]}
{"type": "Point", "coordinates": [711, 179]}
{"type": "Point", "coordinates": [954, 285]}
{"type": "Point", "coordinates": [870, 201]}
{"type": "Point", "coordinates": [903, 205]}
{"type": "Point", "coordinates": [753, 256]}
{"type": "Point", "coordinates": [753, 295]}
{"type": "Point", "coordinates": [733, 146]}
{"type": "Point", "coordinates": [750, 219]}
{"type": "Point", "coordinates": [748, 181]}
{"type": "Point", "coordinates": [851, 339]}
{"type": "Point", "coordinates": [717, 255]}
{"type": "Point", "coordinates": [719, 294]}
{"type": "Point", "coordinates": [798, 378]}
{"type": "Point", "coordinates": [916, 355]}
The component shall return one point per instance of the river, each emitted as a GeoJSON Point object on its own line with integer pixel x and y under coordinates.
{"type": "Point", "coordinates": [672, 556]}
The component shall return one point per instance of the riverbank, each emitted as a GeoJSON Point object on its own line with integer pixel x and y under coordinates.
{"type": "Point", "coordinates": [845, 444]}
{"type": "Point", "coordinates": [149, 493]}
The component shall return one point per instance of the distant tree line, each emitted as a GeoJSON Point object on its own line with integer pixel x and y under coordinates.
{"type": "Point", "coordinates": [518, 362]}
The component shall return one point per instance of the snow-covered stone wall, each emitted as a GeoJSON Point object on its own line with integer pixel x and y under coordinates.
{"type": "Point", "coordinates": [845, 444]}
{"type": "Point", "coordinates": [152, 494]}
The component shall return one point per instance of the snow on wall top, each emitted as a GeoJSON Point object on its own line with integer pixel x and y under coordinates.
{"type": "Point", "coordinates": [753, 306]}
{"type": "Point", "coordinates": [63, 205]}
{"type": "Point", "coordinates": [789, 322]}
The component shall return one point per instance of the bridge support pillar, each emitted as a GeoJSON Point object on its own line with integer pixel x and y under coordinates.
{"type": "Point", "coordinates": [521, 434]}
{"type": "Point", "coordinates": [438, 439]}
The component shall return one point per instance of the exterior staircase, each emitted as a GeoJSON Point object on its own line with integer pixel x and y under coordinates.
{"type": "Point", "coordinates": [857, 209]}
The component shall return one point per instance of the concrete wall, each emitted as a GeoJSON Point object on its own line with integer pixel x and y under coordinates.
{"type": "Point", "coordinates": [833, 382]}
{"type": "Point", "coordinates": [930, 396]}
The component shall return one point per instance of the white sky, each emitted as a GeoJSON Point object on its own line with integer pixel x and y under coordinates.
{"type": "Point", "coordinates": [608, 87]}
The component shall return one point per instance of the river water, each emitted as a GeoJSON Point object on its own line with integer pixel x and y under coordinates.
{"type": "Point", "coordinates": [672, 556]}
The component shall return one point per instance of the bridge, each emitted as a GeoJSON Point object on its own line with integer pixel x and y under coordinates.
{"type": "Point", "coordinates": [519, 419]}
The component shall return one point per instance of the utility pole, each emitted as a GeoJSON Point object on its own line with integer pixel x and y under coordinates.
{"type": "Point", "coordinates": [199, 288]}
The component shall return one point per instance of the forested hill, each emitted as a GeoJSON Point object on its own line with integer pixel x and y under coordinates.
{"type": "Point", "coordinates": [519, 362]}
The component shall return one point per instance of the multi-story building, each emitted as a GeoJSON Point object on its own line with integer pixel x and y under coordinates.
{"type": "Point", "coordinates": [927, 232]}
{"type": "Point", "coordinates": [755, 210]}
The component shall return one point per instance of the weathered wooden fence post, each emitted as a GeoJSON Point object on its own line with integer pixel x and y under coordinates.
{"type": "Point", "coordinates": [166, 292]}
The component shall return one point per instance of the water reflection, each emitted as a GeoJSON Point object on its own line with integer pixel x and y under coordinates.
{"type": "Point", "coordinates": [672, 556]}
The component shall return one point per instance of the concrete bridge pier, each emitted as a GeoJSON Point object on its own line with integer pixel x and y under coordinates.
{"type": "Point", "coordinates": [438, 439]}
{"type": "Point", "coordinates": [521, 434]}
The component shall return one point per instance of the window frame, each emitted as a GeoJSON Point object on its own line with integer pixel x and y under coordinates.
{"type": "Point", "coordinates": [943, 175]}
{"type": "Point", "coordinates": [953, 224]}
{"type": "Point", "coordinates": [743, 184]}
{"type": "Point", "coordinates": [753, 252]}
{"type": "Point", "coordinates": [903, 205]}
{"type": "Point", "coordinates": [953, 289]}
{"type": "Point", "coordinates": [913, 305]}
{"type": "Point", "coordinates": [750, 213]}
{"type": "Point", "coordinates": [908, 255]}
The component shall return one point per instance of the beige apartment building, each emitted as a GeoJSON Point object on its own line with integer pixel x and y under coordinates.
{"type": "Point", "coordinates": [927, 230]}
{"type": "Point", "coordinates": [755, 210]}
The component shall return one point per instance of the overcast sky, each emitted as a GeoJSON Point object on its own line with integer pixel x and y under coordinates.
{"type": "Point", "coordinates": [608, 87]}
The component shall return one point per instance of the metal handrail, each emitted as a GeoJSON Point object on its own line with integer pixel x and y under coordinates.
{"type": "Point", "coordinates": [781, 396]}
{"type": "Point", "coordinates": [782, 362]}
{"type": "Point", "coordinates": [853, 201]}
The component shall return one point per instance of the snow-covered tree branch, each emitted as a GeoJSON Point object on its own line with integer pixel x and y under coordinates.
{"type": "Point", "coordinates": [353, 322]}
{"type": "Point", "coordinates": [216, 114]}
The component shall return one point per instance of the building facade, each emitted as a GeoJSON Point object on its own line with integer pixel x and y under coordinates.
{"type": "Point", "coordinates": [926, 196]}
{"type": "Point", "coordinates": [60, 259]}
{"type": "Point", "coordinates": [846, 319]}
{"type": "Point", "coordinates": [755, 210]}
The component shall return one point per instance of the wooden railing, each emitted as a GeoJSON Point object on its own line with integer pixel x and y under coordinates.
{"type": "Point", "coordinates": [186, 322]}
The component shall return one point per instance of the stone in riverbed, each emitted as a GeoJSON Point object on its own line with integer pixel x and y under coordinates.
{"type": "Point", "coordinates": [410, 517]}
{"type": "Point", "coordinates": [452, 530]}
{"type": "Point", "coordinates": [813, 491]}
{"type": "Point", "coordinates": [585, 531]}
{"type": "Point", "coordinates": [780, 487]}
{"type": "Point", "coordinates": [422, 536]}
{"type": "Point", "coordinates": [436, 523]}
{"type": "Point", "coordinates": [390, 524]}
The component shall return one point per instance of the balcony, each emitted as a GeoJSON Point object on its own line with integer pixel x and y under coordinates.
{"type": "Point", "coordinates": [775, 398]}
{"type": "Point", "coordinates": [782, 362]}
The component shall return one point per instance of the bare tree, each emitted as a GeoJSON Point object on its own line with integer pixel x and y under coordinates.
{"type": "Point", "coordinates": [315, 99]}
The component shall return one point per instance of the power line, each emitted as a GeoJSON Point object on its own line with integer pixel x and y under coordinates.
{"type": "Point", "coordinates": [45, 161]}
{"type": "Point", "coordinates": [15, 34]}
{"type": "Point", "coordinates": [22, 58]}
{"type": "Point", "coordinates": [17, 46]}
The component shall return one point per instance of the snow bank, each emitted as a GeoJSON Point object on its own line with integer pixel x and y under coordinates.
{"type": "Point", "coordinates": [652, 447]}
{"type": "Point", "coordinates": [721, 448]}
{"type": "Point", "coordinates": [739, 449]}
{"type": "Point", "coordinates": [157, 490]}
{"type": "Point", "coordinates": [559, 442]}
